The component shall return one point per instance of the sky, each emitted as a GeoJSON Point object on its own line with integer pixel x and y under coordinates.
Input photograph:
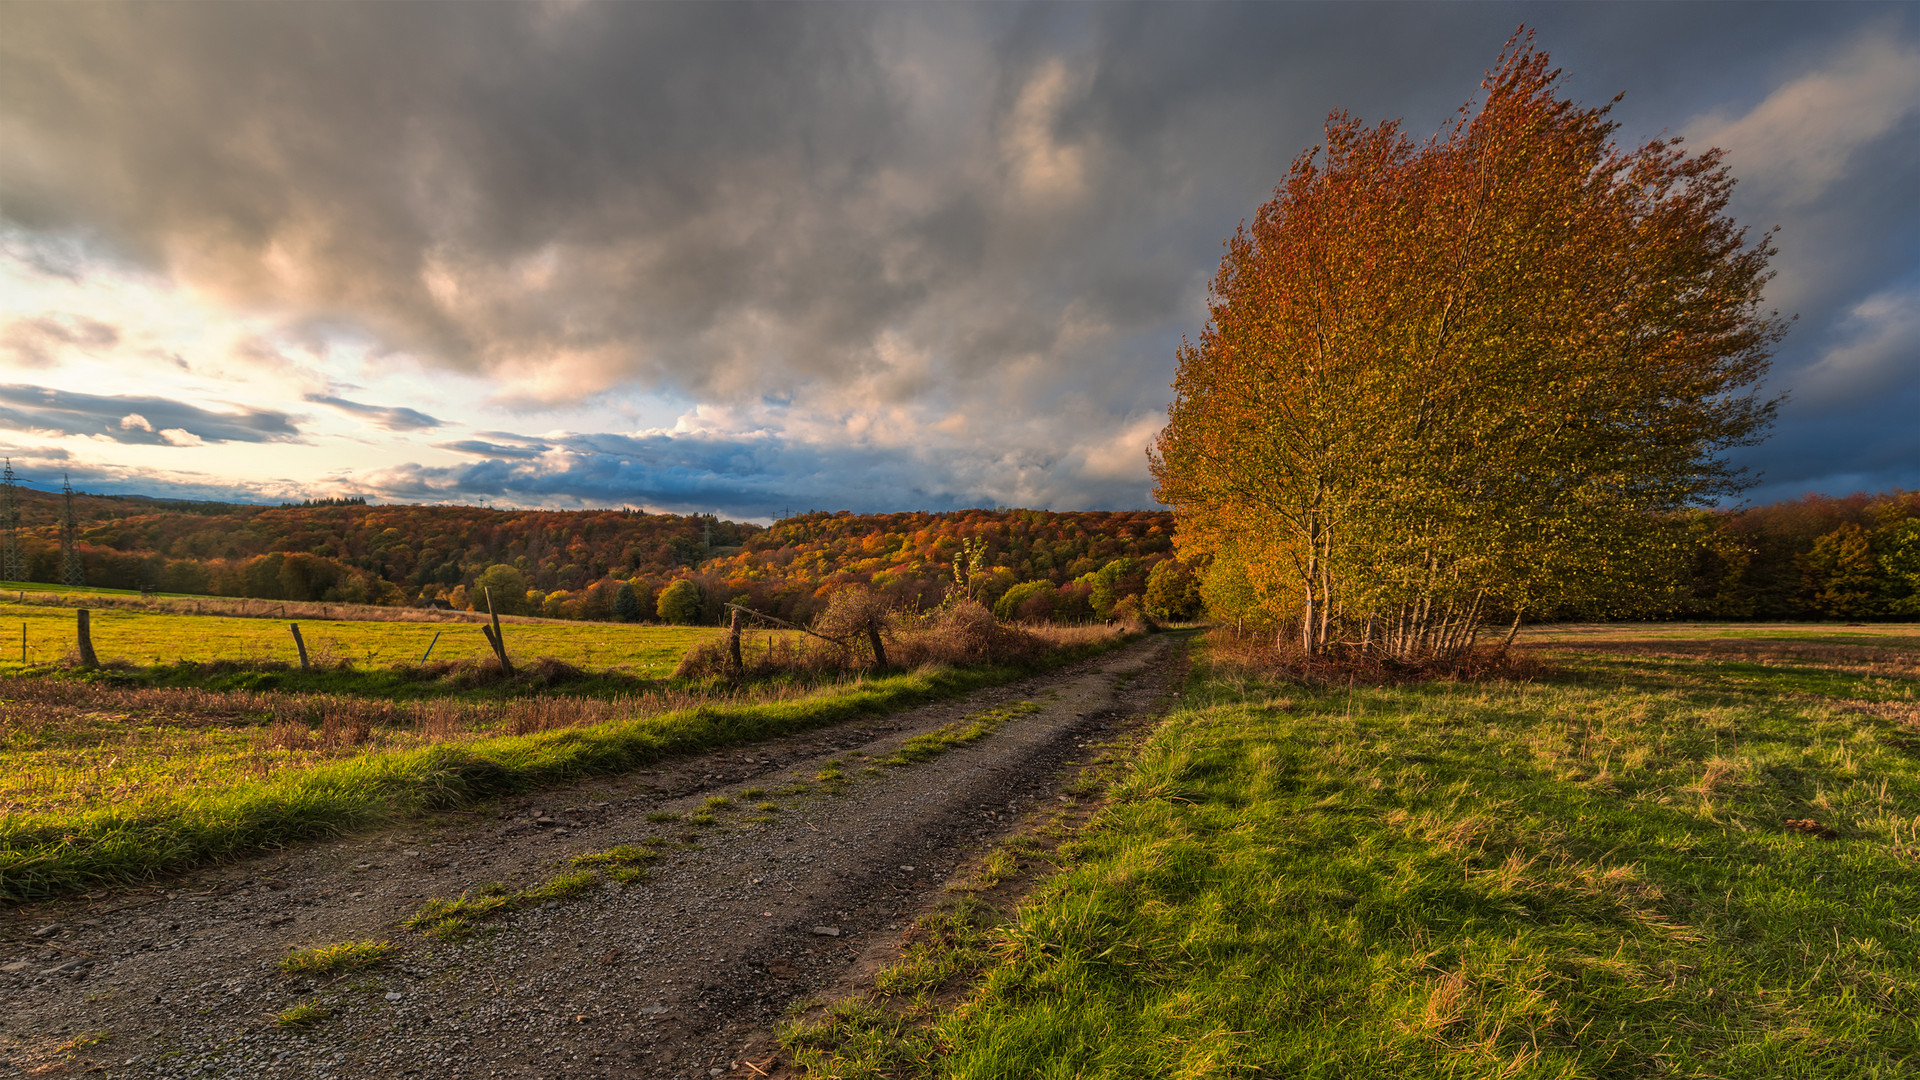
{"type": "Point", "coordinates": [749, 259]}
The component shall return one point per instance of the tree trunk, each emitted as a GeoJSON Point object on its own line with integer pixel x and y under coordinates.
{"type": "Point", "coordinates": [1513, 630]}
{"type": "Point", "coordinates": [879, 650]}
{"type": "Point", "coordinates": [1326, 585]}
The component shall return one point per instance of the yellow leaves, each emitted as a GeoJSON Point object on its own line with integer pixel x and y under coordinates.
{"type": "Point", "coordinates": [1433, 353]}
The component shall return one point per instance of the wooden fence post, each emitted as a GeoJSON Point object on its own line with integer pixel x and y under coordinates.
{"type": "Point", "coordinates": [494, 637]}
{"type": "Point", "coordinates": [430, 645]}
{"type": "Point", "coordinates": [87, 658]}
{"type": "Point", "coordinates": [300, 644]}
{"type": "Point", "coordinates": [736, 667]}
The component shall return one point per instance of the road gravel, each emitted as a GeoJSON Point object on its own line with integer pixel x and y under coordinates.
{"type": "Point", "coordinates": [676, 975]}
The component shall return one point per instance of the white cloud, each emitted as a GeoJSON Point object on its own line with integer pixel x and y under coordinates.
{"type": "Point", "coordinates": [133, 422]}
{"type": "Point", "coordinates": [1879, 345]}
{"type": "Point", "coordinates": [181, 437]}
{"type": "Point", "coordinates": [1793, 146]}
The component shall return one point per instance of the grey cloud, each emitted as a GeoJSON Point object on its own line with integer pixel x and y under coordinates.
{"type": "Point", "coordinates": [481, 448]}
{"type": "Point", "coordinates": [39, 341]}
{"type": "Point", "coordinates": [391, 417]}
{"type": "Point", "coordinates": [759, 477]}
{"type": "Point", "coordinates": [985, 209]}
{"type": "Point", "coordinates": [144, 420]}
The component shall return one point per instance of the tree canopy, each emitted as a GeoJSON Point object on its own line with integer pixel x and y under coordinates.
{"type": "Point", "coordinates": [1469, 376]}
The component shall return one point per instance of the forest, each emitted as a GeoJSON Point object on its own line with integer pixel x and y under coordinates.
{"type": "Point", "coordinates": [1039, 565]}
{"type": "Point", "coordinates": [1855, 557]}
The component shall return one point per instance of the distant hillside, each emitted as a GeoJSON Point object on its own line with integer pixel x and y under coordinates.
{"type": "Point", "coordinates": [376, 554]}
{"type": "Point", "coordinates": [573, 563]}
{"type": "Point", "coordinates": [1088, 561]}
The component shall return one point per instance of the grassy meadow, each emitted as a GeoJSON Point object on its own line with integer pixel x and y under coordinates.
{"type": "Point", "coordinates": [1649, 859]}
{"type": "Point", "coordinates": [150, 637]}
{"type": "Point", "coordinates": [149, 767]}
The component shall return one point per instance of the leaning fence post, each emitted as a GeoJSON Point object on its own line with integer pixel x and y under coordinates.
{"type": "Point", "coordinates": [299, 643]}
{"type": "Point", "coordinates": [494, 637]}
{"type": "Point", "coordinates": [87, 658]}
{"type": "Point", "coordinates": [736, 666]}
{"type": "Point", "coordinates": [430, 645]}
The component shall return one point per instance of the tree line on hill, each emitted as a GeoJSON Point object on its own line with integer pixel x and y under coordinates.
{"type": "Point", "coordinates": [613, 564]}
{"type": "Point", "coordinates": [1855, 558]}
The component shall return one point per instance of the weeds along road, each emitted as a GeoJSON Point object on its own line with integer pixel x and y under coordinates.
{"type": "Point", "coordinates": [798, 880]}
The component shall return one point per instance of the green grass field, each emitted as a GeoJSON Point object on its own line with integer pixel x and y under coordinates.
{"type": "Point", "coordinates": [130, 772]}
{"type": "Point", "coordinates": [154, 637]}
{"type": "Point", "coordinates": [1636, 865]}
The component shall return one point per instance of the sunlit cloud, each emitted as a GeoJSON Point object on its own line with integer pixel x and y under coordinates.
{"type": "Point", "coordinates": [1796, 144]}
{"type": "Point", "coordinates": [40, 341]}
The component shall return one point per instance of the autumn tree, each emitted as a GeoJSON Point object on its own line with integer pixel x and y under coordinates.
{"type": "Point", "coordinates": [502, 586]}
{"type": "Point", "coordinates": [680, 603]}
{"type": "Point", "coordinates": [1173, 592]}
{"type": "Point", "coordinates": [1469, 376]}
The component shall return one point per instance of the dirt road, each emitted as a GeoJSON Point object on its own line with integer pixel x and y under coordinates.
{"type": "Point", "coordinates": [670, 976]}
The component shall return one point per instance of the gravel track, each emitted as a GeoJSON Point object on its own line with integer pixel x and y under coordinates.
{"type": "Point", "coordinates": [671, 976]}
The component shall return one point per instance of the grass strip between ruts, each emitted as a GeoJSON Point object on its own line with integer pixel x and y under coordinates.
{"type": "Point", "coordinates": [44, 855]}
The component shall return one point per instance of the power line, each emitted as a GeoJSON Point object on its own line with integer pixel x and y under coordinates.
{"type": "Point", "coordinates": [13, 561]}
{"type": "Point", "coordinates": [72, 570]}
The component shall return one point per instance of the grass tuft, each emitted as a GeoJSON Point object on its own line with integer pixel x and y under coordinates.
{"type": "Point", "coordinates": [300, 1017]}
{"type": "Point", "coordinates": [459, 918]}
{"type": "Point", "coordinates": [337, 959]}
{"type": "Point", "coordinates": [960, 733]}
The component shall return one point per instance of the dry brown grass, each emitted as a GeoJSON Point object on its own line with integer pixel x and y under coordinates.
{"type": "Point", "coordinates": [1250, 654]}
{"type": "Point", "coordinates": [34, 711]}
{"type": "Point", "coordinates": [67, 744]}
{"type": "Point", "coordinates": [1721, 776]}
{"type": "Point", "coordinates": [965, 634]}
{"type": "Point", "coordinates": [1899, 657]}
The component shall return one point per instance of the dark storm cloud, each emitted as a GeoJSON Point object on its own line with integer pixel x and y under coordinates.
{"type": "Point", "coordinates": [979, 209]}
{"type": "Point", "coordinates": [144, 420]}
{"type": "Point", "coordinates": [391, 417]}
